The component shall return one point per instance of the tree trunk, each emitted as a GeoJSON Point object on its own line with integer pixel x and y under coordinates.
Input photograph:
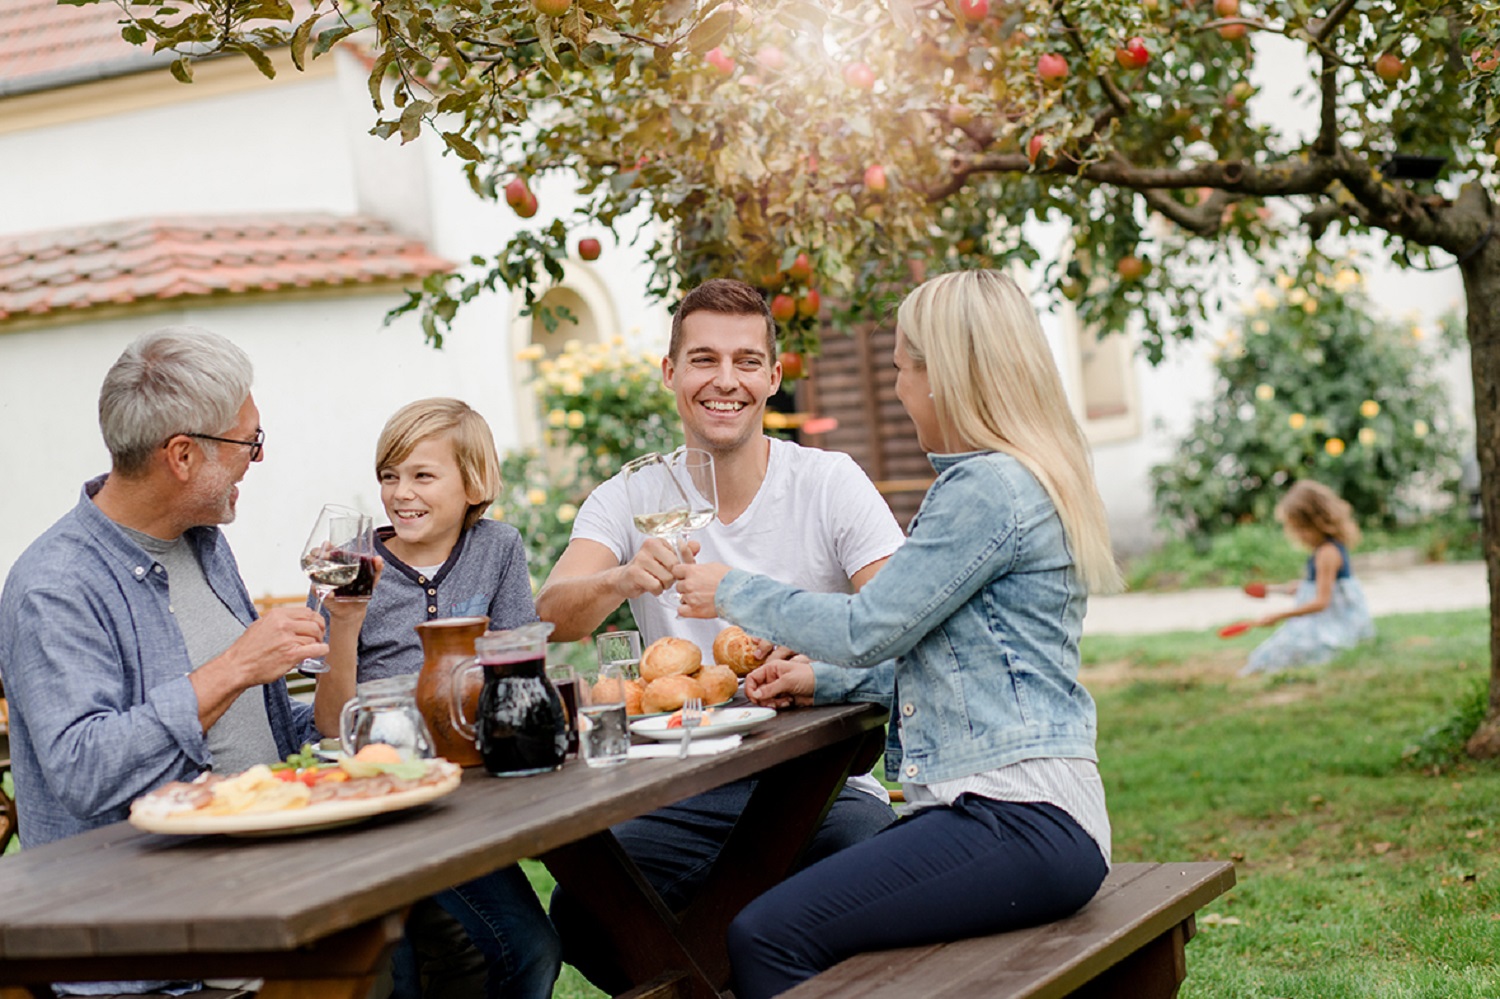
{"type": "Point", "coordinates": [1481, 271]}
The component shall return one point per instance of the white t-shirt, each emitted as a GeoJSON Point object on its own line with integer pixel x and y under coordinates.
{"type": "Point", "coordinates": [816, 520]}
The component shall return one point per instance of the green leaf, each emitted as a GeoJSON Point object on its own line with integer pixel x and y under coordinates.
{"type": "Point", "coordinates": [299, 42]}
{"type": "Point", "coordinates": [182, 69]}
{"type": "Point", "coordinates": [710, 33]}
{"type": "Point", "coordinates": [377, 77]}
{"type": "Point", "coordinates": [462, 146]}
{"type": "Point", "coordinates": [327, 39]}
{"type": "Point", "coordinates": [134, 34]}
{"type": "Point", "coordinates": [544, 37]}
{"type": "Point", "coordinates": [257, 56]}
{"type": "Point", "coordinates": [411, 120]}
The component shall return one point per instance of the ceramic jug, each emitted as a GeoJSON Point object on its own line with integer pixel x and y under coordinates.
{"type": "Point", "coordinates": [447, 641]}
{"type": "Point", "coordinates": [385, 711]}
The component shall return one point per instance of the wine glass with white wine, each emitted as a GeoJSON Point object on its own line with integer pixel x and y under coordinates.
{"type": "Point", "coordinates": [333, 557]}
{"type": "Point", "coordinates": [658, 505]}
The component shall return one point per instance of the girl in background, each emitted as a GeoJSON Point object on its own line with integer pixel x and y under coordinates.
{"type": "Point", "coordinates": [1330, 614]}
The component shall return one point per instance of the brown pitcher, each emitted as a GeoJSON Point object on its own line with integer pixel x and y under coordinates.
{"type": "Point", "coordinates": [444, 642]}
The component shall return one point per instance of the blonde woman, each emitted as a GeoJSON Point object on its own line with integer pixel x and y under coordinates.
{"type": "Point", "coordinates": [970, 636]}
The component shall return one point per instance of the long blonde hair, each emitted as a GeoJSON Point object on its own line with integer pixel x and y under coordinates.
{"type": "Point", "coordinates": [994, 382]}
{"type": "Point", "coordinates": [1310, 507]}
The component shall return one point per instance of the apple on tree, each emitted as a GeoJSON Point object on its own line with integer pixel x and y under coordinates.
{"type": "Point", "coordinates": [527, 207]}
{"type": "Point", "coordinates": [1052, 68]}
{"type": "Point", "coordinates": [792, 366]}
{"type": "Point", "coordinates": [516, 191]}
{"type": "Point", "coordinates": [807, 305]}
{"type": "Point", "coordinates": [551, 8]}
{"type": "Point", "coordinates": [859, 76]}
{"type": "Point", "coordinates": [1034, 146]}
{"type": "Point", "coordinates": [801, 269]}
{"type": "Point", "coordinates": [783, 308]}
{"type": "Point", "coordinates": [771, 57]}
{"type": "Point", "coordinates": [974, 11]}
{"type": "Point", "coordinates": [1390, 67]}
{"type": "Point", "coordinates": [875, 181]}
{"type": "Point", "coordinates": [589, 248]}
{"type": "Point", "coordinates": [1134, 54]}
{"type": "Point", "coordinates": [719, 60]}
{"type": "Point", "coordinates": [1130, 267]}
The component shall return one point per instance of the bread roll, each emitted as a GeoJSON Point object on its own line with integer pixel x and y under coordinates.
{"type": "Point", "coordinates": [735, 649]}
{"type": "Point", "coordinates": [668, 693]}
{"type": "Point", "coordinates": [719, 683]}
{"type": "Point", "coordinates": [670, 657]}
{"type": "Point", "coordinates": [633, 691]}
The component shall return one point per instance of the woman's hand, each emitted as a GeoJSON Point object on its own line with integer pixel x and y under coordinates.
{"type": "Point", "coordinates": [782, 683]}
{"type": "Point", "coordinates": [696, 585]}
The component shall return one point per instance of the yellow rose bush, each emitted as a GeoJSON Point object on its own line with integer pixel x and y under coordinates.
{"type": "Point", "coordinates": [1332, 392]}
{"type": "Point", "coordinates": [599, 405]}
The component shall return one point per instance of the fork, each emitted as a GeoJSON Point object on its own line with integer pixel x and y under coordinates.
{"type": "Point", "coordinates": [692, 717]}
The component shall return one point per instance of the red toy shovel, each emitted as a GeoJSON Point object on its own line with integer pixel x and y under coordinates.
{"type": "Point", "coordinates": [1238, 628]}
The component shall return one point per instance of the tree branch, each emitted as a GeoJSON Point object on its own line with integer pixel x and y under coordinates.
{"type": "Point", "coordinates": [1325, 27]}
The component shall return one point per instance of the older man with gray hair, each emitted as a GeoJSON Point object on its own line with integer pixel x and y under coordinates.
{"type": "Point", "coordinates": [129, 647]}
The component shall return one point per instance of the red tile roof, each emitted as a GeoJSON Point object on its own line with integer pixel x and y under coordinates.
{"type": "Point", "coordinates": [167, 258]}
{"type": "Point", "coordinates": [44, 44]}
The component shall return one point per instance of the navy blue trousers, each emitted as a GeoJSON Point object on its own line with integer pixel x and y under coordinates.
{"type": "Point", "coordinates": [675, 847]}
{"type": "Point", "coordinates": [487, 938]}
{"type": "Point", "coordinates": [944, 873]}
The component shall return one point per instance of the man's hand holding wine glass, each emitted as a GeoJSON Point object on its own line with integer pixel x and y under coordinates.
{"type": "Point", "coordinates": [650, 569]}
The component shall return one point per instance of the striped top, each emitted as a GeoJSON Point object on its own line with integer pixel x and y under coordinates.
{"type": "Point", "coordinates": [1069, 783]}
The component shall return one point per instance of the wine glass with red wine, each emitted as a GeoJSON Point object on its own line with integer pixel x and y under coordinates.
{"type": "Point", "coordinates": [339, 559]}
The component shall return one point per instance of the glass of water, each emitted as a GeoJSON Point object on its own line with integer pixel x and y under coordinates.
{"type": "Point", "coordinates": [623, 648]}
{"type": "Point", "coordinates": [603, 739]}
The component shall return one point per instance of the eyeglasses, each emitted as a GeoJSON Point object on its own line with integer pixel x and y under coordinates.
{"type": "Point", "coordinates": [256, 446]}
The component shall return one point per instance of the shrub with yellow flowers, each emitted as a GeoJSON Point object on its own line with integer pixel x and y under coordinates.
{"type": "Point", "coordinates": [1313, 384]}
{"type": "Point", "coordinates": [601, 405]}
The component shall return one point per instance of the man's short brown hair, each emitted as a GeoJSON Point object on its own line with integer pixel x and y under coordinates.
{"type": "Point", "coordinates": [727, 297]}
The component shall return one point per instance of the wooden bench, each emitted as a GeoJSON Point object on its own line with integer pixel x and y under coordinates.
{"type": "Point", "coordinates": [1125, 944]}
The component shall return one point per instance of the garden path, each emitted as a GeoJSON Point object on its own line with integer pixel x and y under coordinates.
{"type": "Point", "coordinates": [1437, 586]}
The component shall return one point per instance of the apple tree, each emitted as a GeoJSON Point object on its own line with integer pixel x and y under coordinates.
{"type": "Point", "coordinates": [843, 148]}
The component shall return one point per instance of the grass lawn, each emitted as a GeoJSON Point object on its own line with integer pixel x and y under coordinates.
{"type": "Point", "coordinates": [1363, 872]}
{"type": "Point", "coordinates": [1366, 870]}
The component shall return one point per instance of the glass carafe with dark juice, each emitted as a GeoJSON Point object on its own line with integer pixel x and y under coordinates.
{"type": "Point", "coordinates": [521, 725]}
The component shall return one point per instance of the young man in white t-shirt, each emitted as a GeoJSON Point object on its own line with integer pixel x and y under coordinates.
{"type": "Point", "coordinates": [804, 516]}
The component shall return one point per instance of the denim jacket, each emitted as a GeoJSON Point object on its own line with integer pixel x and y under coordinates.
{"type": "Point", "coordinates": [96, 673]}
{"type": "Point", "coordinates": [969, 634]}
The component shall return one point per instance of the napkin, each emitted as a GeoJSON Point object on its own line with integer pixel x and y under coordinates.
{"type": "Point", "coordinates": [698, 747]}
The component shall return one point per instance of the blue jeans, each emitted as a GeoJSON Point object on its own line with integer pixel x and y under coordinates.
{"type": "Point", "coordinates": [511, 950]}
{"type": "Point", "coordinates": [675, 847]}
{"type": "Point", "coordinates": [975, 867]}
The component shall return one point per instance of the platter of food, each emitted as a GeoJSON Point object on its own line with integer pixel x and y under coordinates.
{"type": "Point", "coordinates": [264, 801]}
{"type": "Point", "coordinates": [716, 721]}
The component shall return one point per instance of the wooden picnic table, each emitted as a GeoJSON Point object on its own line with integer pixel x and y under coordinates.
{"type": "Point", "coordinates": [315, 914]}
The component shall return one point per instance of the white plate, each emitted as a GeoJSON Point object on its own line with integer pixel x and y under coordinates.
{"type": "Point", "coordinates": [323, 815]}
{"type": "Point", "coordinates": [723, 721]}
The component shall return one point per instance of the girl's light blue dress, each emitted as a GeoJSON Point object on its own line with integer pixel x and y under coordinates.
{"type": "Point", "coordinates": [1313, 639]}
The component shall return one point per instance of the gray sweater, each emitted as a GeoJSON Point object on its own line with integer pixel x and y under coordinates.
{"type": "Point", "coordinates": [485, 574]}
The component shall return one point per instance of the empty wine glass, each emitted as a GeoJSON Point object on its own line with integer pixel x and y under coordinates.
{"type": "Point", "coordinates": [693, 469]}
{"type": "Point", "coordinates": [339, 549]}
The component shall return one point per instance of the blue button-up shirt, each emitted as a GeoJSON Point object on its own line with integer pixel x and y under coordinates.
{"type": "Point", "coordinates": [96, 673]}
